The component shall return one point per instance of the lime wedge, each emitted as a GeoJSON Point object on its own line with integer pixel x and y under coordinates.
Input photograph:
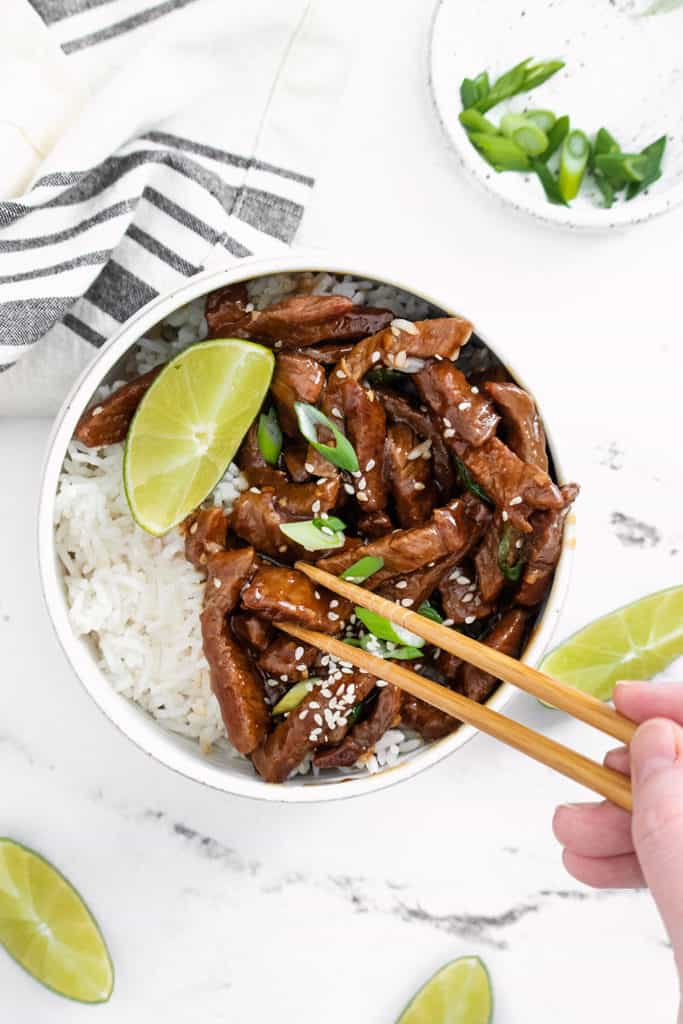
{"type": "Point", "coordinates": [460, 993]}
{"type": "Point", "coordinates": [188, 427]}
{"type": "Point", "coordinates": [634, 642]}
{"type": "Point", "coordinates": [47, 928]}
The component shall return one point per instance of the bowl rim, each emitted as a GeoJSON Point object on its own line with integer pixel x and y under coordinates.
{"type": "Point", "coordinates": [140, 727]}
{"type": "Point", "coordinates": [622, 215]}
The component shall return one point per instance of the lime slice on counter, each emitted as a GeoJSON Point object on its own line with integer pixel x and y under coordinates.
{"type": "Point", "coordinates": [460, 993]}
{"type": "Point", "coordinates": [634, 642]}
{"type": "Point", "coordinates": [47, 928]}
{"type": "Point", "coordinates": [188, 427]}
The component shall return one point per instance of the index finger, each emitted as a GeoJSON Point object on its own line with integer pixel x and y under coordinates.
{"type": "Point", "coordinates": [641, 701]}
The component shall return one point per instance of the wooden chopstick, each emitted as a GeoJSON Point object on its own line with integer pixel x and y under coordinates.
{"type": "Point", "coordinates": [604, 781]}
{"type": "Point", "coordinates": [581, 705]}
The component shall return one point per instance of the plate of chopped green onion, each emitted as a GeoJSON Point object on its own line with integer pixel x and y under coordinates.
{"type": "Point", "coordinates": [569, 111]}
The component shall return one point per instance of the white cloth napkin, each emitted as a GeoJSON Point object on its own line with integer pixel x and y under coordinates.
{"type": "Point", "coordinates": [158, 138]}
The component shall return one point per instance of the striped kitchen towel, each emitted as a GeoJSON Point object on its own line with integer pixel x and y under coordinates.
{"type": "Point", "coordinates": [188, 133]}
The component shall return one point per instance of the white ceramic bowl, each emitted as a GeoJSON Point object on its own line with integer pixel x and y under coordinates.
{"type": "Point", "coordinates": [622, 70]}
{"type": "Point", "coordinates": [177, 752]}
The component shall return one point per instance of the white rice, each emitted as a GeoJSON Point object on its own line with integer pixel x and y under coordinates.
{"type": "Point", "coordinates": [135, 596]}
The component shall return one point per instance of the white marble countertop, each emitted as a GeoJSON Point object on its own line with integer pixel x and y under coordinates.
{"type": "Point", "coordinates": [215, 908]}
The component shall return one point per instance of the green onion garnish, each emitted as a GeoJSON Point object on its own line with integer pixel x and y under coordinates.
{"type": "Point", "coordinates": [294, 696]}
{"type": "Point", "coordinates": [362, 569]}
{"type": "Point", "coordinates": [466, 481]}
{"type": "Point", "coordinates": [520, 78]}
{"type": "Point", "coordinates": [269, 436]}
{"type": "Point", "coordinates": [311, 536]}
{"type": "Point", "coordinates": [511, 572]}
{"type": "Point", "coordinates": [525, 132]}
{"type": "Point", "coordinates": [473, 121]}
{"type": "Point", "coordinates": [550, 183]}
{"type": "Point", "coordinates": [545, 119]}
{"type": "Point", "coordinates": [330, 523]}
{"type": "Point", "coordinates": [354, 714]}
{"type": "Point", "coordinates": [342, 455]}
{"type": "Point", "coordinates": [653, 168]}
{"type": "Point", "coordinates": [503, 154]}
{"type": "Point", "coordinates": [556, 136]}
{"type": "Point", "coordinates": [389, 650]}
{"type": "Point", "coordinates": [622, 169]}
{"type": "Point", "coordinates": [385, 630]}
{"type": "Point", "coordinates": [573, 162]}
{"type": "Point", "coordinates": [429, 612]}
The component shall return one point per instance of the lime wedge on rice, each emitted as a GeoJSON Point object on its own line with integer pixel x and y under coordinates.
{"type": "Point", "coordinates": [188, 427]}
{"type": "Point", "coordinates": [460, 993]}
{"type": "Point", "coordinates": [634, 642]}
{"type": "Point", "coordinates": [47, 928]}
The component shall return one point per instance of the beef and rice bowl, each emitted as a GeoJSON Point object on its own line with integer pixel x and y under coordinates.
{"type": "Point", "coordinates": [392, 449]}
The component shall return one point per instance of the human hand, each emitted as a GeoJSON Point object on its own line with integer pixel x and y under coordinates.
{"type": "Point", "coordinates": [607, 848]}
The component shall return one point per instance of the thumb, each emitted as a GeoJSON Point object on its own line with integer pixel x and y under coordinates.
{"type": "Point", "coordinates": [657, 777]}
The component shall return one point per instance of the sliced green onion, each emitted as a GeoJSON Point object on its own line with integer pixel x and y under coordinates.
{"type": "Point", "coordinates": [343, 454]}
{"type": "Point", "coordinates": [473, 121]}
{"type": "Point", "coordinates": [330, 523]}
{"type": "Point", "coordinates": [469, 93]}
{"type": "Point", "coordinates": [531, 139]}
{"type": "Point", "coordinates": [620, 169]}
{"type": "Point", "coordinates": [354, 714]}
{"type": "Point", "coordinates": [311, 537]}
{"type": "Point", "coordinates": [269, 436]}
{"type": "Point", "coordinates": [520, 78]}
{"type": "Point", "coordinates": [483, 85]}
{"type": "Point", "coordinates": [389, 650]}
{"type": "Point", "coordinates": [549, 181]}
{"type": "Point", "coordinates": [511, 572]}
{"type": "Point", "coordinates": [605, 143]}
{"type": "Point", "coordinates": [362, 569]}
{"type": "Point", "coordinates": [545, 119]}
{"type": "Point", "coordinates": [573, 162]}
{"type": "Point", "coordinates": [556, 136]}
{"type": "Point", "coordinates": [540, 73]}
{"type": "Point", "coordinates": [294, 696]}
{"type": "Point", "coordinates": [653, 170]}
{"type": "Point", "coordinates": [429, 612]}
{"type": "Point", "coordinates": [503, 154]}
{"type": "Point", "coordinates": [385, 630]}
{"type": "Point", "coordinates": [466, 481]}
{"type": "Point", "coordinates": [384, 375]}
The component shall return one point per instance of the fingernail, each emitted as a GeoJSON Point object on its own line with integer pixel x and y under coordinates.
{"type": "Point", "coordinates": [629, 682]}
{"type": "Point", "coordinates": [654, 748]}
{"type": "Point", "coordinates": [571, 807]}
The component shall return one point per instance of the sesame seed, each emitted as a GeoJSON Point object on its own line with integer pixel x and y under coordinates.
{"type": "Point", "coordinates": [370, 464]}
{"type": "Point", "coordinates": [402, 584]}
{"type": "Point", "coordinates": [194, 528]}
{"type": "Point", "coordinates": [97, 410]}
{"type": "Point", "coordinates": [419, 486]}
{"type": "Point", "coordinates": [217, 583]}
{"type": "Point", "coordinates": [504, 516]}
{"type": "Point", "coordinates": [315, 507]}
{"type": "Point", "coordinates": [375, 357]}
{"type": "Point", "coordinates": [463, 580]}
{"type": "Point", "coordinates": [449, 433]}
{"type": "Point", "coordinates": [303, 714]}
{"type": "Point", "coordinates": [516, 501]}
{"type": "Point", "coordinates": [401, 358]}
{"type": "Point", "coordinates": [254, 490]}
{"type": "Point", "coordinates": [336, 412]}
{"type": "Point", "coordinates": [341, 374]}
{"type": "Point", "coordinates": [284, 679]}
{"type": "Point", "coordinates": [469, 619]}
{"type": "Point", "coordinates": [395, 331]}
{"type": "Point", "coordinates": [318, 719]}
{"type": "Point", "coordinates": [362, 496]}
{"type": "Point", "coordinates": [334, 603]}
{"type": "Point", "coordinates": [466, 598]}
{"type": "Point", "coordinates": [448, 622]}
{"type": "Point", "coordinates": [381, 683]}
{"type": "Point", "coordinates": [519, 543]}
{"type": "Point", "coordinates": [475, 391]}
{"type": "Point", "coordinates": [317, 594]}
{"type": "Point", "coordinates": [309, 468]}
{"type": "Point", "coordinates": [438, 357]}
{"type": "Point", "coordinates": [362, 484]}
{"type": "Point", "coordinates": [332, 616]}
{"type": "Point", "coordinates": [349, 488]}
{"type": "Point", "coordinates": [298, 653]}
{"type": "Point", "coordinates": [404, 325]}
{"type": "Point", "coordinates": [282, 548]}
{"type": "Point", "coordinates": [447, 422]}
{"type": "Point", "coordinates": [464, 405]}
{"type": "Point", "coordinates": [407, 602]}
{"type": "Point", "coordinates": [327, 530]}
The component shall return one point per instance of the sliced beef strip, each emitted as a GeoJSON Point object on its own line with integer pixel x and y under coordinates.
{"type": "Point", "coordinates": [446, 391]}
{"type": "Point", "coordinates": [294, 455]}
{"type": "Point", "coordinates": [524, 430]}
{"type": "Point", "coordinates": [410, 478]}
{"type": "Point", "coordinates": [287, 595]}
{"type": "Point", "coordinates": [366, 428]}
{"type": "Point", "coordinates": [309, 499]}
{"type": "Point", "coordinates": [234, 680]}
{"type": "Point", "coordinates": [226, 306]}
{"type": "Point", "coordinates": [329, 354]}
{"type": "Point", "coordinates": [516, 487]}
{"type": "Point", "coordinates": [316, 722]}
{"type": "Point", "coordinates": [252, 631]}
{"type": "Point", "coordinates": [363, 736]}
{"type": "Point", "coordinates": [415, 587]}
{"type": "Point", "coordinates": [429, 722]}
{"type": "Point", "coordinates": [451, 530]}
{"type": "Point", "coordinates": [489, 575]}
{"type": "Point", "coordinates": [256, 518]}
{"type": "Point", "coordinates": [460, 597]}
{"type": "Point", "coordinates": [299, 321]}
{"type": "Point", "coordinates": [544, 550]}
{"type": "Point", "coordinates": [426, 427]}
{"type": "Point", "coordinates": [205, 533]}
{"type": "Point", "coordinates": [107, 422]}
{"type": "Point", "coordinates": [296, 379]}
{"type": "Point", "coordinates": [506, 636]}
{"type": "Point", "coordinates": [374, 524]}
{"type": "Point", "coordinates": [280, 659]}
{"type": "Point", "coordinates": [448, 666]}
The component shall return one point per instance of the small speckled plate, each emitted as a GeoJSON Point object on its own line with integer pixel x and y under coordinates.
{"type": "Point", "coordinates": [624, 71]}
